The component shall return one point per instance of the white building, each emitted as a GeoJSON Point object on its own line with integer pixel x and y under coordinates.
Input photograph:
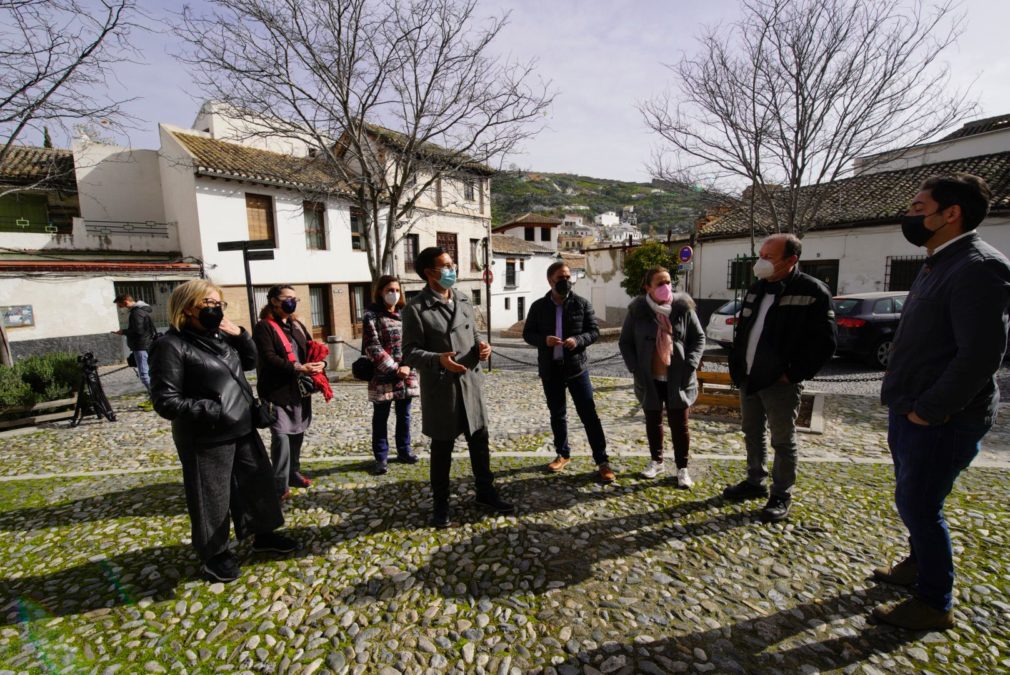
{"type": "Point", "coordinates": [858, 246]}
{"type": "Point", "coordinates": [142, 221]}
{"type": "Point", "coordinates": [607, 218]}
{"type": "Point", "coordinates": [520, 277]}
{"type": "Point", "coordinates": [534, 228]}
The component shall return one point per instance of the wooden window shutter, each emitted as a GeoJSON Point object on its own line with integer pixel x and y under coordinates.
{"type": "Point", "coordinates": [260, 216]}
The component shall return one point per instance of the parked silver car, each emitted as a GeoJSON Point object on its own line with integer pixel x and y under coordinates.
{"type": "Point", "coordinates": [722, 324]}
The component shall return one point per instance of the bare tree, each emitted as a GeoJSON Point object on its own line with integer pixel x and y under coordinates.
{"type": "Point", "coordinates": [54, 57]}
{"type": "Point", "coordinates": [786, 98]}
{"type": "Point", "coordinates": [392, 95]}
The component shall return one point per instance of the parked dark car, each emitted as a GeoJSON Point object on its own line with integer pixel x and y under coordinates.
{"type": "Point", "coordinates": [866, 325]}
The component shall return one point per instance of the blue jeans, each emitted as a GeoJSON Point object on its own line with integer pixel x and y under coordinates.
{"type": "Point", "coordinates": [581, 390]}
{"type": "Point", "coordinates": [143, 369]}
{"type": "Point", "coordinates": [927, 461]}
{"type": "Point", "coordinates": [380, 440]}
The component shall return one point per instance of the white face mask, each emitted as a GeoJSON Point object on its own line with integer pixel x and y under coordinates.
{"type": "Point", "coordinates": [391, 297]}
{"type": "Point", "coordinates": [764, 268]}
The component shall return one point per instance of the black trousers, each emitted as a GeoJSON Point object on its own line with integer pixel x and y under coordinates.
{"type": "Point", "coordinates": [233, 478]}
{"type": "Point", "coordinates": [480, 462]}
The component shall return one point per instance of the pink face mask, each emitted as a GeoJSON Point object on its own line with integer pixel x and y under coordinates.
{"type": "Point", "coordinates": [662, 294]}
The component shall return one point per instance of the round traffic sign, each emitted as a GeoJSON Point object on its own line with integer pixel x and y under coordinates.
{"type": "Point", "coordinates": [488, 276]}
{"type": "Point", "coordinates": [685, 254]}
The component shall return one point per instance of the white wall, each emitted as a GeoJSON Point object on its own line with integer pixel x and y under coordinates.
{"type": "Point", "coordinates": [531, 283]}
{"type": "Point", "coordinates": [119, 184]}
{"type": "Point", "coordinates": [862, 255]}
{"type": "Point", "coordinates": [960, 148]}
{"type": "Point", "coordinates": [61, 306]}
{"type": "Point", "coordinates": [215, 120]}
{"type": "Point", "coordinates": [178, 190]}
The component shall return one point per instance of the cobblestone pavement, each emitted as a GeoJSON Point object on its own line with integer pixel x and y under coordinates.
{"type": "Point", "coordinates": [635, 577]}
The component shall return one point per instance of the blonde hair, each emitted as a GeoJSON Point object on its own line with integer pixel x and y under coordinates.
{"type": "Point", "coordinates": [187, 296]}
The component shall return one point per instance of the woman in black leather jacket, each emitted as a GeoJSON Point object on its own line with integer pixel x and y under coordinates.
{"type": "Point", "coordinates": [197, 381]}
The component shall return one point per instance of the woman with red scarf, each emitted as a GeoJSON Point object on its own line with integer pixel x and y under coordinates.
{"type": "Point", "coordinates": [662, 342]}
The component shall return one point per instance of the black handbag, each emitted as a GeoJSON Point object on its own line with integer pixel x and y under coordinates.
{"type": "Point", "coordinates": [306, 385]}
{"type": "Point", "coordinates": [264, 413]}
{"type": "Point", "coordinates": [363, 369]}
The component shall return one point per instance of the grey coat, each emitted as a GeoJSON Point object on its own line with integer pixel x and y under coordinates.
{"type": "Point", "coordinates": [428, 330]}
{"type": "Point", "coordinates": [638, 342]}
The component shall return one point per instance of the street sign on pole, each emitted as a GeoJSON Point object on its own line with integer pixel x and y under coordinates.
{"type": "Point", "coordinates": [685, 267]}
{"type": "Point", "coordinates": [685, 254]}
{"type": "Point", "coordinates": [253, 249]}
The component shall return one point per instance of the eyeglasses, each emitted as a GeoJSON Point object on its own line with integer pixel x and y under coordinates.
{"type": "Point", "coordinates": [210, 302]}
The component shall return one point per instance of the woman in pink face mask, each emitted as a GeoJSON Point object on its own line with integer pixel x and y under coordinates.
{"type": "Point", "coordinates": [662, 342]}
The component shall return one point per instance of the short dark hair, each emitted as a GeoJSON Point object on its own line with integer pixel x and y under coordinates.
{"type": "Point", "coordinates": [969, 192]}
{"type": "Point", "coordinates": [381, 283]}
{"type": "Point", "coordinates": [122, 297]}
{"type": "Point", "coordinates": [425, 260]}
{"type": "Point", "coordinates": [555, 266]}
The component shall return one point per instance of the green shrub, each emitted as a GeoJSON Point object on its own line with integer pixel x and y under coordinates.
{"type": "Point", "coordinates": [641, 258]}
{"type": "Point", "coordinates": [47, 377]}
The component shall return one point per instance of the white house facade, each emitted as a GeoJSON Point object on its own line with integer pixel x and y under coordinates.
{"type": "Point", "coordinates": [520, 277]}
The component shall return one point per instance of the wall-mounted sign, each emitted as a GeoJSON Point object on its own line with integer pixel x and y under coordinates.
{"type": "Point", "coordinates": [17, 315]}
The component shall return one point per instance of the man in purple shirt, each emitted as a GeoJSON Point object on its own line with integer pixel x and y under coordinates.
{"type": "Point", "coordinates": [561, 325]}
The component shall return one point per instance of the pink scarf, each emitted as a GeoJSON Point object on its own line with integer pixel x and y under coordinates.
{"type": "Point", "coordinates": [664, 338]}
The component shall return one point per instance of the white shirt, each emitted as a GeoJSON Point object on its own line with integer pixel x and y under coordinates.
{"type": "Point", "coordinates": [756, 330]}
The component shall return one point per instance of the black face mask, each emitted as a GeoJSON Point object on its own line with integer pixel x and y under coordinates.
{"type": "Point", "coordinates": [563, 287]}
{"type": "Point", "coordinates": [289, 305]}
{"type": "Point", "coordinates": [915, 231]}
{"type": "Point", "coordinates": [210, 318]}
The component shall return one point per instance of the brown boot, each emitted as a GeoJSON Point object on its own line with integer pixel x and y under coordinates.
{"type": "Point", "coordinates": [914, 614]}
{"type": "Point", "coordinates": [558, 464]}
{"type": "Point", "coordinates": [903, 573]}
{"type": "Point", "coordinates": [606, 473]}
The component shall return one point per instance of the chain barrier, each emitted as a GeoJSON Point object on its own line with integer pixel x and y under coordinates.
{"type": "Point", "coordinates": [872, 378]}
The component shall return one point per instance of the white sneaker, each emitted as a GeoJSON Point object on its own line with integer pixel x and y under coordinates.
{"type": "Point", "coordinates": [653, 469]}
{"type": "Point", "coordinates": [684, 478]}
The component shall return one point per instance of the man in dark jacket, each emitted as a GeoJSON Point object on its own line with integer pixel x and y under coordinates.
{"type": "Point", "coordinates": [140, 334]}
{"type": "Point", "coordinates": [561, 325]}
{"type": "Point", "coordinates": [940, 384]}
{"type": "Point", "coordinates": [785, 335]}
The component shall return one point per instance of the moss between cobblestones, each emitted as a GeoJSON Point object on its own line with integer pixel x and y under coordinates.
{"type": "Point", "coordinates": [633, 577]}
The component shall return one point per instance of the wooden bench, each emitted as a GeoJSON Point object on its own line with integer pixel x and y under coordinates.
{"type": "Point", "coordinates": [30, 419]}
{"type": "Point", "coordinates": [715, 387]}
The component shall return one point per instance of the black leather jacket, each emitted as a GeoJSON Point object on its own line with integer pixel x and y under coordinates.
{"type": "Point", "coordinates": [198, 383]}
{"type": "Point", "coordinates": [577, 321]}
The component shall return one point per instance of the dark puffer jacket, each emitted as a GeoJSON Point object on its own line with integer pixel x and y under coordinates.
{"type": "Point", "coordinates": [197, 381]}
{"type": "Point", "coordinates": [577, 321]}
{"type": "Point", "coordinates": [140, 330]}
{"type": "Point", "coordinates": [799, 334]}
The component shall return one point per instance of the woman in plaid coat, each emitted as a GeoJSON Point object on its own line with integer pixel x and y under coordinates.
{"type": "Point", "coordinates": [393, 383]}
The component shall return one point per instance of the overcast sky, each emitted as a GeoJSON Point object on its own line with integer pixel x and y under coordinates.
{"type": "Point", "coordinates": [603, 56]}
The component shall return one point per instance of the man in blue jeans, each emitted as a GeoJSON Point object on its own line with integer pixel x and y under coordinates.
{"type": "Point", "coordinates": [561, 325]}
{"type": "Point", "coordinates": [940, 385]}
{"type": "Point", "coordinates": [140, 334]}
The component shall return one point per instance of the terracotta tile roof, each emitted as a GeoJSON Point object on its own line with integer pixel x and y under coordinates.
{"type": "Point", "coordinates": [230, 160]}
{"type": "Point", "coordinates": [876, 198]}
{"type": "Point", "coordinates": [429, 150]}
{"type": "Point", "coordinates": [528, 220]}
{"type": "Point", "coordinates": [997, 123]}
{"type": "Point", "coordinates": [26, 165]}
{"type": "Point", "coordinates": [503, 243]}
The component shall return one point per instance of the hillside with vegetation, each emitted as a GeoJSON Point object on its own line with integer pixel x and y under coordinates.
{"type": "Point", "coordinates": [659, 208]}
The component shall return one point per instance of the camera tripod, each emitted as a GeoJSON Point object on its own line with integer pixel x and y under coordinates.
{"type": "Point", "coordinates": [90, 394]}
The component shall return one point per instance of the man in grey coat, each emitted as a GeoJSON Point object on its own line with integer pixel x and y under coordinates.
{"type": "Point", "coordinates": [440, 340]}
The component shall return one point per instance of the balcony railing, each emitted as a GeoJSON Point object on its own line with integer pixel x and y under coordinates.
{"type": "Point", "coordinates": [27, 225]}
{"type": "Point", "coordinates": [106, 228]}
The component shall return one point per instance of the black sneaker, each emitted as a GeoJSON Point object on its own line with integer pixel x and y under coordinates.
{"type": "Point", "coordinates": [379, 469]}
{"type": "Point", "coordinates": [271, 542]}
{"type": "Point", "coordinates": [409, 458]}
{"type": "Point", "coordinates": [440, 517]}
{"type": "Point", "coordinates": [776, 509]}
{"type": "Point", "coordinates": [492, 501]}
{"type": "Point", "coordinates": [743, 491]}
{"type": "Point", "coordinates": [223, 568]}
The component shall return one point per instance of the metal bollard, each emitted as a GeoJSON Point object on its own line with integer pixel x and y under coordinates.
{"type": "Point", "coordinates": [335, 360]}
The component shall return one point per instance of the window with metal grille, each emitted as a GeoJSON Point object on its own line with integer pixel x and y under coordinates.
{"type": "Point", "coordinates": [315, 226]}
{"type": "Point", "coordinates": [476, 297]}
{"type": "Point", "coordinates": [410, 250]}
{"type": "Point", "coordinates": [154, 293]}
{"type": "Point", "coordinates": [468, 189]}
{"type": "Point", "coordinates": [510, 274]}
{"type": "Point", "coordinates": [900, 271]}
{"type": "Point", "coordinates": [447, 242]}
{"type": "Point", "coordinates": [740, 272]}
{"type": "Point", "coordinates": [824, 270]}
{"type": "Point", "coordinates": [521, 307]}
{"type": "Point", "coordinates": [259, 211]}
{"type": "Point", "coordinates": [357, 223]}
